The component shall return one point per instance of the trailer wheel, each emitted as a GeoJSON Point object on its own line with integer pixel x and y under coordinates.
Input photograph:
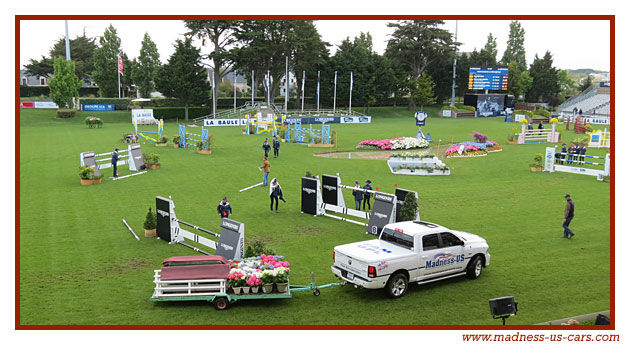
{"type": "Point", "coordinates": [221, 303]}
{"type": "Point", "coordinates": [316, 292]}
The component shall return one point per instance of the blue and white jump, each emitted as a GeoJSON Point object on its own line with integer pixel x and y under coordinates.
{"type": "Point", "coordinates": [573, 164]}
{"type": "Point", "coordinates": [185, 139]}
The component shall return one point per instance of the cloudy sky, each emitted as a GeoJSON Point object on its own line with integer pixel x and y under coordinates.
{"type": "Point", "coordinates": [565, 39]}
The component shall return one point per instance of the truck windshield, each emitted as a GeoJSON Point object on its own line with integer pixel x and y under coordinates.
{"type": "Point", "coordinates": [397, 238]}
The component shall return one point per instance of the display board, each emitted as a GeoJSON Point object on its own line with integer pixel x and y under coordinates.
{"type": "Point", "coordinates": [488, 78]}
{"type": "Point", "coordinates": [382, 213]}
{"type": "Point", "coordinates": [309, 195]}
{"type": "Point", "coordinates": [490, 105]}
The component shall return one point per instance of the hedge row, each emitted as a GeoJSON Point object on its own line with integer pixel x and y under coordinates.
{"type": "Point", "coordinates": [38, 91]}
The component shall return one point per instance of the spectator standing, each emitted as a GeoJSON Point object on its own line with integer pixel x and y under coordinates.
{"type": "Point", "coordinates": [276, 147]}
{"type": "Point", "coordinates": [569, 212]}
{"type": "Point", "coordinates": [366, 195]}
{"type": "Point", "coordinates": [266, 147]}
{"type": "Point", "coordinates": [541, 126]}
{"type": "Point", "coordinates": [265, 169]}
{"type": "Point", "coordinates": [224, 209]}
{"type": "Point", "coordinates": [358, 195]}
{"type": "Point", "coordinates": [275, 193]}
{"type": "Point", "coordinates": [115, 162]}
{"type": "Point", "coordinates": [564, 153]}
{"type": "Point", "coordinates": [582, 153]}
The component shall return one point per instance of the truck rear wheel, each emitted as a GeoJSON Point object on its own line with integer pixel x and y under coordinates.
{"type": "Point", "coordinates": [221, 303]}
{"type": "Point", "coordinates": [474, 268]}
{"type": "Point", "coordinates": [397, 285]}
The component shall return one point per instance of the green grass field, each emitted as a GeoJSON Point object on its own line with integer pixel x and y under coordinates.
{"type": "Point", "coordinates": [80, 266]}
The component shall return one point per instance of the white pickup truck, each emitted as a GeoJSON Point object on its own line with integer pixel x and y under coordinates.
{"type": "Point", "coordinates": [413, 251]}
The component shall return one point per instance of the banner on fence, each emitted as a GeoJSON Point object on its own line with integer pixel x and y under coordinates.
{"type": "Point", "coordinates": [143, 116]}
{"type": "Point", "coordinates": [328, 119]}
{"type": "Point", "coordinates": [27, 104]}
{"type": "Point", "coordinates": [224, 122]}
{"type": "Point", "coordinates": [46, 105]}
{"type": "Point", "coordinates": [97, 107]}
{"type": "Point", "coordinates": [598, 121]}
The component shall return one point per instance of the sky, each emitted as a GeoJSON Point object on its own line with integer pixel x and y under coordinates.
{"type": "Point", "coordinates": [573, 43]}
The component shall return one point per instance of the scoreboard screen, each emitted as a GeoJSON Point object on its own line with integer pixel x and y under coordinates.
{"type": "Point", "coordinates": [488, 78]}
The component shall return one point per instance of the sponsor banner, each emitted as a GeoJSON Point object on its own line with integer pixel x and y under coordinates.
{"type": "Point", "coordinates": [519, 117]}
{"type": "Point", "coordinates": [446, 113]}
{"type": "Point", "coordinates": [45, 105]}
{"type": "Point", "coordinates": [163, 207]}
{"type": "Point", "coordinates": [598, 121]}
{"type": "Point", "coordinates": [225, 122]}
{"type": "Point", "coordinates": [142, 116]}
{"type": "Point", "coordinates": [309, 195]}
{"type": "Point", "coordinates": [328, 119]}
{"type": "Point", "coordinates": [27, 104]}
{"type": "Point", "coordinates": [604, 84]}
{"type": "Point", "coordinates": [490, 105]}
{"type": "Point", "coordinates": [97, 107]}
{"type": "Point", "coordinates": [229, 239]}
{"type": "Point", "coordinates": [381, 212]}
{"type": "Point", "coordinates": [330, 188]}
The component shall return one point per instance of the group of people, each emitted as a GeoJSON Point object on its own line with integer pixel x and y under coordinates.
{"type": "Point", "coordinates": [276, 147]}
{"type": "Point", "coordinates": [575, 154]}
{"type": "Point", "coordinates": [361, 193]}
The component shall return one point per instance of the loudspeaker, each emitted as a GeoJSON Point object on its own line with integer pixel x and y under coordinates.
{"type": "Point", "coordinates": [502, 306]}
{"type": "Point", "coordinates": [602, 320]}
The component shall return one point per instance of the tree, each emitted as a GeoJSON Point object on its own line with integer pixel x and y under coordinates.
{"type": "Point", "coordinates": [527, 82]}
{"type": "Point", "coordinates": [81, 52]}
{"type": "Point", "coordinates": [515, 83]}
{"type": "Point", "coordinates": [418, 43]}
{"type": "Point", "coordinates": [409, 208]}
{"type": "Point", "coordinates": [220, 34]}
{"type": "Point", "coordinates": [422, 90]}
{"type": "Point", "coordinates": [309, 54]}
{"type": "Point", "coordinates": [106, 63]}
{"type": "Point", "coordinates": [64, 84]}
{"type": "Point", "coordinates": [184, 77]}
{"type": "Point", "coordinates": [489, 52]}
{"type": "Point", "coordinates": [146, 67]}
{"type": "Point", "coordinates": [546, 82]}
{"type": "Point", "coordinates": [586, 83]}
{"type": "Point", "coordinates": [515, 50]}
{"type": "Point", "coordinates": [567, 85]}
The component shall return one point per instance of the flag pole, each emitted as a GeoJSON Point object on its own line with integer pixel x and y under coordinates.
{"type": "Point", "coordinates": [253, 88]}
{"type": "Point", "coordinates": [350, 105]}
{"type": "Point", "coordinates": [335, 94]}
{"type": "Point", "coordinates": [318, 91]}
{"type": "Point", "coordinates": [118, 72]}
{"type": "Point", "coordinates": [234, 90]}
{"type": "Point", "coordinates": [286, 85]}
{"type": "Point", "coordinates": [303, 78]}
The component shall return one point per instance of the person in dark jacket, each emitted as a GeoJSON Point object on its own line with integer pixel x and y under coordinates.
{"type": "Point", "coordinates": [224, 209]}
{"type": "Point", "coordinates": [276, 147]}
{"type": "Point", "coordinates": [358, 195]}
{"type": "Point", "coordinates": [541, 126]}
{"type": "Point", "coordinates": [366, 195]}
{"type": "Point", "coordinates": [582, 152]}
{"type": "Point", "coordinates": [115, 162]}
{"type": "Point", "coordinates": [275, 193]}
{"type": "Point", "coordinates": [564, 153]}
{"type": "Point", "coordinates": [569, 212]}
{"type": "Point", "coordinates": [266, 147]}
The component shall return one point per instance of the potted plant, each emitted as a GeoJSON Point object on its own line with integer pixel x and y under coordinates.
{"type": "Point", "coordinates": [151, 160]}
{"type": "Point", "coordinates": [281, 134]}
{"type": "Point", "coordinates": [254, 282]}
{"type": "Point", "coordinates": [162, 141]}
{"type": "Point", "coordinates": [513, 136]}
{"type": "Point", "coordinates": [204, 147]}
{"type": "Point", "coordinates": [282, 279]}
{"type": "Point", "coordinates": [93, 122]}
{"type": "Point", "coordinates": [537, 166]}
{"type": "Point", "coordinates": [267, 282]}
{"type": "Point", "coordinates": [236, 281]}
{"type": "Point", "coordinates": [175, 141]}
{"type": "Point", "coordinates": [150, 224]}
{"type": "Point", "coordinates": [87, 176]}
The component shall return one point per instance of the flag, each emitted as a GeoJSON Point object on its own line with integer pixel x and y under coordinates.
{"type": "Point", "coordinates": [120, 65]}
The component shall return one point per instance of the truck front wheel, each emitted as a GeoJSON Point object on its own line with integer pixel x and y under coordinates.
{"type": "Point", "coordinates": [474, 268]}
{"type": "Point", "coordinates": [397, 285]}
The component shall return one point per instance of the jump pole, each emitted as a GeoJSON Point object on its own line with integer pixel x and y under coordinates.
{"type": "Point", "coordinates": [250, 187]}
{"type": "Point", "coordinates": [134, 174]}
{"type": "Point", "coordinates": [130, 230]}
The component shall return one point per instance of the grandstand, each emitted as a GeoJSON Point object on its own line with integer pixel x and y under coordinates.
{"type": "Point", "coordinates": [593, 101]}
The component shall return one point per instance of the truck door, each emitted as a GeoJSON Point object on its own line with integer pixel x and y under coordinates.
{"type": "Point", "coordinates": [431, 264]}
{"type": "Point", "coordinates": [453, 247]}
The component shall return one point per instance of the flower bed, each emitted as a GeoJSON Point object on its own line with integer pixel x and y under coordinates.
{"type": "Point", "coordinates": [393, 144]}
{"type": "Point", "coordinates": [256, 271]}
{"type": "Point", "coordinates": [492, 146]}
{"type": "Point", "coordinates": [93, 122]}
{"type": "Point", "coordinates": [470, 149]}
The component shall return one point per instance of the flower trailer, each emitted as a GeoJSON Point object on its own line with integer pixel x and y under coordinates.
{"type": "Point", "coordinates": [215, 279]}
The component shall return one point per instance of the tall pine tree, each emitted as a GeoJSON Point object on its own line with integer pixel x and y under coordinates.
{"type": "Point", "coordinates": [184, 77]}
{"type": "Point", "coordinates": [515, 50]}
{"type": "Point", "coordinates": [106, 63]}
{"type": "Point", "coordinates": [65, 84]}
{"type": "Point", "coordinates": [146, 67]}
{"type": "Point", "coordinates": [546, 81]}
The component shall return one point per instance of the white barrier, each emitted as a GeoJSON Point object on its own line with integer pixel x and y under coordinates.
{"type": "Point", "coordinates": [572, 163]}
{"type": "Point", "coordinates": [133, 158]}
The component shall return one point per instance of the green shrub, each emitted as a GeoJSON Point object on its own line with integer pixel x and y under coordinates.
{"type": "Point", "coordinates": [66, 113]}
{"type": "Point", "coordinates": [150, 221]}
{"type": "Point", "coordinates": [538, 161]}
{"type": "Point", "coordinates": [151, 158]}
{"type": "Point", "coordinates": [86, 173]}
{"type": "Point", "coordinates": [448, 107]}
{"type": "Point", "coordinates": [541, 112]}
{"type": "Point", "coordinates": [256, 248]}
{"type": "Point", "coordinates": [466, 108]}
{"type": "Point", "coordinates": [163, 140]}
{"type": "Point", "coordinates": [523, 112]}
{"type": "Point", "coordinates": [409, 207]}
